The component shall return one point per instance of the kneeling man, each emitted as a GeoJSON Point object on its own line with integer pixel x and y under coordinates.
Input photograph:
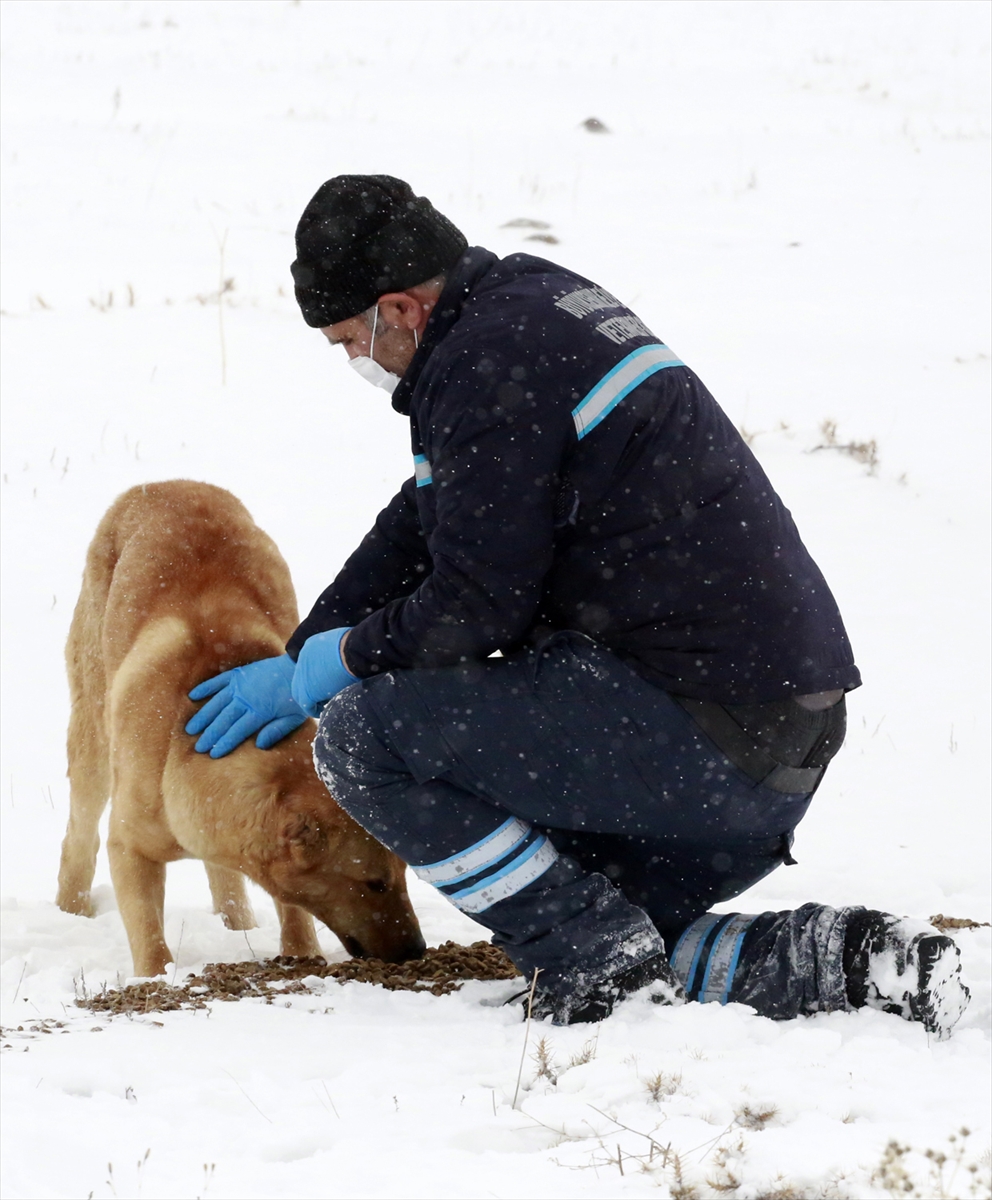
{"type": "Point", "coordinates": [582, 674]}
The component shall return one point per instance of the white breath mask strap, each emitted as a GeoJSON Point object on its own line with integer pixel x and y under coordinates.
{"type": "Point", "coordinates": [375, 322]}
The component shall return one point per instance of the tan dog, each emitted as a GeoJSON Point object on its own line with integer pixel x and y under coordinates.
{"type": "Point", "coordinates": [179, 585]}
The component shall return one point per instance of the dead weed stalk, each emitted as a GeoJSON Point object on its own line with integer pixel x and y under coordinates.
{"type": "Point", "coordinates": [948, 1175]}
{"type": "Point", "coordinates": [862, 452]}
{"type": "Point", "coordinates": [662, 1084]}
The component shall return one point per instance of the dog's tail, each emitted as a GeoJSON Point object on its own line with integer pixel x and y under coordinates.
{"type": "Point", "coordinates": [87, 744]}
{"type": "Point", "coordinates": [84, 648]}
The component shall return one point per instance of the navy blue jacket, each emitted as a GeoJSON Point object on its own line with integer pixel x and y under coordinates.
{"type": "Point", "coordinates": [572, 473]}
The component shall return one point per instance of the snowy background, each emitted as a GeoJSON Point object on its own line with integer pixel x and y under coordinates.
{"type": "Point", "coordinates": [795, 197]}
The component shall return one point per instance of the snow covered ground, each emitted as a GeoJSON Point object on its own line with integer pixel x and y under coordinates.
{"type": "Point", "coordinates": [795, 197]}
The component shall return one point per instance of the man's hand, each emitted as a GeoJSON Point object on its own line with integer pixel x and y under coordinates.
{"type": "Point", "coordinates": [248, 699]}
{"type": "Point", "coordinates": [320, 671]}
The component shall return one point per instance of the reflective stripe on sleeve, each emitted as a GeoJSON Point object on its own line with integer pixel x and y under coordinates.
{"type": "Point", "coordinates": [631, 371]}
{"type": "Point", "coordinates": [422, 470]}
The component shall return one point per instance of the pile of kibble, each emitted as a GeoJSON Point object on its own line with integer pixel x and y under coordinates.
{"type": "Point", "coordinates": [443, 969]}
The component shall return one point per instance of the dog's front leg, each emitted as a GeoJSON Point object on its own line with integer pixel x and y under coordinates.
{"type": "Point", "coordinates": [140, 887]}
{"type": "Point", "coordinates": [299, 939]}
{"type": "Point", "coordinates": [230, 897]}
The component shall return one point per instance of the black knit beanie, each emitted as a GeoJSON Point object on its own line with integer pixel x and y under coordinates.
{"type": "Point", "coordinates": [362, 236]}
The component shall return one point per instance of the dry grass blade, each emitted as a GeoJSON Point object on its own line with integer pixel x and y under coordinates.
{"type": "Point", "coordinates": [523, 1052]}
{"type": "Point", "coordinates": [662, 1084]}
{"type": "Point", "coordinates": [545, 1059]}
{"type": "Point", "coordinates": [754, 1118]}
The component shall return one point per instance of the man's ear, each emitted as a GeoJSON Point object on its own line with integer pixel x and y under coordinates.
{"type": "Point", "coordinates": [400, 309]}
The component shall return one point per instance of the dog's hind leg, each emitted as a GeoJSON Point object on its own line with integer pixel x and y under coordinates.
{"type": "Point", "coordinates": [89, 787]}
{"type": "Point", "coordinates": [230, 897]}
{"type": "Point", "coordinates": [299, 938]}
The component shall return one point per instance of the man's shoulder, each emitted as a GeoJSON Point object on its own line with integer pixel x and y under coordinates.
{"type": "Point", "coordinates": [523, 303]}
{"type": "Point", "coordinates": [526, 321]}
{"type": "Point", "coordinates": [522, 278]}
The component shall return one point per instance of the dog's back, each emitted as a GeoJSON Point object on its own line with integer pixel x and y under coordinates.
{"type": "Point", "coordinates": [172, 570]}
{"type": "Point", "coordinates": [179, 585]}
{"type": "Point", "coordinates": [180, 549]}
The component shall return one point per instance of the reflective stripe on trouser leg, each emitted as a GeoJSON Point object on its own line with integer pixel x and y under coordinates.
{"type": "Point", "coordinates": [707, 953]}
{"type": "Point", "coordinates": [492, 869]}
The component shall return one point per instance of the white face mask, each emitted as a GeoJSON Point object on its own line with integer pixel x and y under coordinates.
{"type": "Point", "coordinates": [375, 374]}
{"type": "Point", "coordinates": [371, 371]}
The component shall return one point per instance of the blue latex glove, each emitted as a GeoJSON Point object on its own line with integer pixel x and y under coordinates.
{"type": "Point", "coordinates": [248, 699]}
{"type": "Point", "coordinates": [320, 671]}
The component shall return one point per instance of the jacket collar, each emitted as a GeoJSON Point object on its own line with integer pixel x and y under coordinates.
{"type": "Point", "coordinates": [462, 282]}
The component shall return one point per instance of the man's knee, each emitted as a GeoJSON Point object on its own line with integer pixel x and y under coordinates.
{"type": "Point", "coordinates": [349, 749]}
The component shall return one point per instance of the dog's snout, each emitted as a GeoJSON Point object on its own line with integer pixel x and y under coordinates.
{"type": "Point", "coordinates": [354, 947]}
{"type": "Point", "coordinates": [414, 948]}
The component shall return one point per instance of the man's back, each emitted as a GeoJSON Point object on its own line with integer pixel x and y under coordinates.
{"type": "Point", "coordinates": [574, 474]}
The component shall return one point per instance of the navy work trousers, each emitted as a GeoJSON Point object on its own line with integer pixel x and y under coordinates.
{"type": "Point", "coordinates": [564, 802]}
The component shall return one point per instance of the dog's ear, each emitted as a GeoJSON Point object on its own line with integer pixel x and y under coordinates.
{"type": "Point", "coordinates": [304, 836]}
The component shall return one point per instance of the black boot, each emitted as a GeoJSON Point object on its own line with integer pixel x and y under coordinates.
{"type": "Point", "coordinates": [904, 967]}
{"type": "Point", "coordinates": [581, 1004]}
